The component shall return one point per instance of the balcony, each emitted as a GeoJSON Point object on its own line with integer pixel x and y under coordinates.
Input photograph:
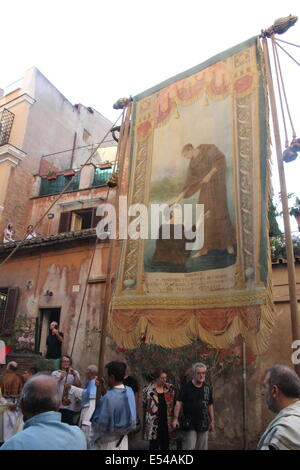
{"type": "Point", "coordinates": [6, 122]}
{"type": "Point", "coordinates": [8, 152]}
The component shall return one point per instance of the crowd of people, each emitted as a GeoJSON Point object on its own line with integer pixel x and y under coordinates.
{"type": "Point", "coordinates": [9, 232]}
{"type": "Point", "coordinates": [52, 412]}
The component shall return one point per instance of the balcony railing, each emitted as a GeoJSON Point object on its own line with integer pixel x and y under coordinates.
{"type": "Point", "coordinates": [6, 122]}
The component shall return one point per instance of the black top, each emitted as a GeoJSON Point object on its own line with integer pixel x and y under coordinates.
{"type": "Point", "coordinates": [162, 413]}
{"type": "Point", "coordinates": [195, 404]}
{"type": "Point", "coordinates": [131, 382]}
{"type": "Point", "coordinates": [53, 346]}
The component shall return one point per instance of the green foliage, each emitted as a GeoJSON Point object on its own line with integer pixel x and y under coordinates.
{"type": "Point", "coordinates": [295, 210]}
{"type": "Point", "coordinates": [45, 365]}
{"type": "Point", "coordinates": [274, 229]}
{"type": "Point", "coordinates": [166, 189]}
{"type": "Point", "coordinates": [178, 361]}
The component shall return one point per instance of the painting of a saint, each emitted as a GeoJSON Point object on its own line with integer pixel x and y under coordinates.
{"type": "Point", "coordinates": [206, 173]}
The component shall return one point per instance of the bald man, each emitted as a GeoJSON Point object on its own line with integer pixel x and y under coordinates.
{"type": "Point", "coordinates": [43, 429]}
{"type": "Point", "coordinates": [281, 390]}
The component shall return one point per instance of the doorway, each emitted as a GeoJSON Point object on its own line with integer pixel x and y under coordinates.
{"type": "Point", "coordinates": [46, 316]}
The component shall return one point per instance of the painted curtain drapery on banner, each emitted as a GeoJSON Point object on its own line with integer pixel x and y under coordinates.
{"type": "Point", "coordinates": [201, 137]}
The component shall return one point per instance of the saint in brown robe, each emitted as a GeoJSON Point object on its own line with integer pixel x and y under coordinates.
{"type": "Point", "coordinates": [219, 232]}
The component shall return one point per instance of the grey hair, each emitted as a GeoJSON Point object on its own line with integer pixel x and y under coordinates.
{"type": "Point", "coordinates": [40, 394]}
{"type": "Point", "coordinates": [10, 365]}
{"type": "Point", "coordinates": [286, 379]}
{"type": "Point", "coordinates": [93, 369]}
{"type": "Point", "coordinates": [198, 365]}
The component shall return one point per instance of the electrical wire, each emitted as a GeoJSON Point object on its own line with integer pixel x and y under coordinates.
{"type": "Point", "coordinates": [60, 194]}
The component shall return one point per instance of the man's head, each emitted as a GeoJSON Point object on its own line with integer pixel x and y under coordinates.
{"type": "Point", "coordinates": [115, 373]}
{"type": "Point", "coordinates": [12, 366]}
{"type": "Point", "coordinates": [92, 372]}
{"type": "Point", "coordinates": [40, 394]}
{"type": "Point", "coordinates": [53, 325]}
{"type": "Point", "coordinates": [199, 373]}
{"type": "Point", "coordinates": [188, 151]}
{"type": "Point", "coordinates": [29, 373]}
{"type": "Point", "coordinates": [65, 362]}
{"type": "Point", "coordinates": [281, 387]}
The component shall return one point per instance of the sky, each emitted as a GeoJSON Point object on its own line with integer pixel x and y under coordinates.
{"type": "Point", "coordinates": [97, 51]}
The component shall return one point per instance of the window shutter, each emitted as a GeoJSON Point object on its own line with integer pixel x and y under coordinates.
{"type": "Point", "coordinates": [95, 218]}
{"type": "Point", "coordinates": [10, 310]}
{"type": "Point", "coordinates": [64, 222]}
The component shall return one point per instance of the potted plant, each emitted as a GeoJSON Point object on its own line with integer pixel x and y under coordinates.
{"type": "Point", "coordinates": [106, 164]}
{"type": "Point", "coordinates": [51, 175]}
{"type": "Point", "coordinates": [69, 173]}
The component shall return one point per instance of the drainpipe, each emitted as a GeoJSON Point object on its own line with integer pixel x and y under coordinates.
{"type": "Point", "coordinates": [245, 407]}
{"type": "Point", "coordinates": [73, 150]}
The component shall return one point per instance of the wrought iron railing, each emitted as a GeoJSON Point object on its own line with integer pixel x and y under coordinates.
{"type": "Point", "coordinates": [6, 122]}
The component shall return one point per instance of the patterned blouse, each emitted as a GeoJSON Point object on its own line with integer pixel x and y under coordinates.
{"type": "Point", "coordinates": [150, 405]}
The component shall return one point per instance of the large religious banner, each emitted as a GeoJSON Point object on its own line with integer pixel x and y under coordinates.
{"type": "Point", "coordinates": [200, 138]}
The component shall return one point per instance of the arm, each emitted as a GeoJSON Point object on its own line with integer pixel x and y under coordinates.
{"type": "Point", "coordinates": [58, 335]}
{"type": "Point", "coordinates": [209, 175]}
{"type": "Point", "coordinates": [137, 405]}
{"type": "Point", "coordinates": [175, 423]}
{"type": "Point", "coordinates": [212, 418]}
{"type": "Point", "coordinates": [77, 381]}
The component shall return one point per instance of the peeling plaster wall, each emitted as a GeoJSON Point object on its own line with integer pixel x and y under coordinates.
{"type": "Point", "coordinates": [58, 271]}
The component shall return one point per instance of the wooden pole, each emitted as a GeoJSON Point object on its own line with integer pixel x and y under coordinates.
{"type": "Point", "coordinates": [124, 135]}
{"type": "Point", "coordinates": [285, 208]}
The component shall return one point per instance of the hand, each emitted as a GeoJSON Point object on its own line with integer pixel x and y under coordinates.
{"type": "Point", "coordinates": [12, 407]}
{"type": "Point", "coordinates": [62, 374]}
{"type": "Point", "coordinates": [72, 371]}
{"type": "Point", "coordinates": [175, 423]}
{"type": "Point", "coordinates": [206, 179]}
{"type": "Point", "coordinates": [173, 203]}
{"type": "Point", "coordinates": [55, 331]}
{"type": "Point", "coordinates": [211, 427]}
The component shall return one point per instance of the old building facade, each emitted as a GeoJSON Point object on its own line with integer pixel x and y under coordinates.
{"type": "Point", "coordinates": [45, 141]}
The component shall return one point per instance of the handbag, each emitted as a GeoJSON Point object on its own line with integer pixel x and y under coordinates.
{"type": "Point", "coordinates": [185, 423]}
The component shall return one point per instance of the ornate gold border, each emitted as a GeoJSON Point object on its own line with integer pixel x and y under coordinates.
{"type": "Point", "coordinates": [247, 159]}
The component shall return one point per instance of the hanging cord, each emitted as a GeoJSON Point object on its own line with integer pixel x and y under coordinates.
{"type": "Point", "coordinates": [60, 195]}
{"type": "Point", "coordinates": [84, 294]}
{"type": "Point", "coordinates": [286, 42]}
{"type": "Point", "coordinates": [283, 87]}
{"type": "Point", "coordinates": [290, 56]}
{"type": "Point", "coordinates": [279, 92]}
{"type": "Point", "coordinates": [92, 260]}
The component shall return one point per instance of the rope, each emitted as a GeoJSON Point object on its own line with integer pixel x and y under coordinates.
{"type": "Point", "coordinates": [60, 195]}
{"type": "Point", "coordinates": [84, 294]}
{"type": "Point", "coordinates": [92, 257]}
{"type": "Point", "coordinates": [290, 56]}
{"type": "Point", "coordinates": [75, 148]}
{"type": "Point", "coordinates": [286, 42]}
{"type": "Point", "coordinates": [283, 89]}
{"type": "Point", "coordinates": [279, 92]}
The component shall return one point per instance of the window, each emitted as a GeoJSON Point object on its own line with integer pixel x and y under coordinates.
{"type": "Point", "coordinates": [102, 175]}
{"type": "Point", "coordinates": [8, 307]}
{"type": "Point", "coordinates": [86, 135]}
{"type": "Point", "coordinates": [78, 220]}
{"type": "Point", "coordinates": [54, 186]}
